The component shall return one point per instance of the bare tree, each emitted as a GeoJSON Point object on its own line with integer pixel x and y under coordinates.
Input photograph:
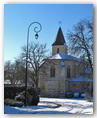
{"type": "Point", "coordinates": [36, 54]}
{"type": "Point", "coordinates": [9, 71]}
{"type": "Point", "coordinates": [15, 72]}
{"type": "Point", "coordinates": [19, 67]}
{"type": "Point", "coordinates": [81, 40]}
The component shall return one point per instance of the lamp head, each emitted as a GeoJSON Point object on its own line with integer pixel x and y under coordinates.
{"type": "Point", "coordinates": [36, 36]}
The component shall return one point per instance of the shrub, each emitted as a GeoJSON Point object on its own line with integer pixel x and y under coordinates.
{"type": "Point", "coordinates": [35, 100]}
{"type": "Point", "coordinates": [11, 92]}
{"type": "Point", "coordinates": [11, 102]}
{"type": "Point", "coordinates": [88, 97]}
{"type": "Point", "coordinates": [18, 94]}
{"type": "Point", "coordinates": [20, 97]}
{"type": "Point", "coordinates": [32, 99]}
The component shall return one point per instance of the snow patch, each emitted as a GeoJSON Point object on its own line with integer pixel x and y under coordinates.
{"type": "Point", "coordinates": [63, 56]}
{"type": "Point", "coordinates": [47, 106]}
{"type": "Point", "coordinates": [7, 82]}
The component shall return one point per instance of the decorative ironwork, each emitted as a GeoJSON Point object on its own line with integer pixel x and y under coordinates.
{"type": "Point", "coordinates": [37, 29]}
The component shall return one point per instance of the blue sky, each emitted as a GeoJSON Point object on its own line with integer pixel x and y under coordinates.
{"type": "Point", "coordinates": [17, 18]}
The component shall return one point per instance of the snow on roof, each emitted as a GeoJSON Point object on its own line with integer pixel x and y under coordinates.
{"type": "Point", "coordinates": [63, 56]}
{"type": "Point", "coordinates": [41, 63]}
{"type": "Point", "coordinates": [7, 82]}
{"type": "Point", "coordinates": [80, 78]}
{"type": "Point", "coordinates": [57, 56]}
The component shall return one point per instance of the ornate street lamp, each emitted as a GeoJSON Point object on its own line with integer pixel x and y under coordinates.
{"type": "Point", "coordinates": [37, 29]}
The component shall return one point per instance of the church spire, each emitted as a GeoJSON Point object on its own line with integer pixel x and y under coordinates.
{"type": "Point", "coordinates": [60, 40]}
{"type": "Point", "coordinates": [59, 46]}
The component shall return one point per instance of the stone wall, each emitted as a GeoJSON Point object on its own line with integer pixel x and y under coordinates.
{"type": "Point", "coordinates": [80, 87]}
{"type": "Point", "coordinates": [57, 86]}
{"type": "Point", "coordinates": [62, 49]}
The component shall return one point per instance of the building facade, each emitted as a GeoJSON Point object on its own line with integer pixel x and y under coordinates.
{"type": "Point", "coordinates": [62, 73]}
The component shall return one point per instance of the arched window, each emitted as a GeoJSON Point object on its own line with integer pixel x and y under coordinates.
{"type": "Point", "coordinates": [57, 50]}
{"type": "Point", "coordinates": [68, 72]}
{"type": "Point", "coordinates": [52, 72]}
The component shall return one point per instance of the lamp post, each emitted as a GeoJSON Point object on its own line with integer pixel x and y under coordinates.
{"type": "Point", "coordinates": [37, 29]}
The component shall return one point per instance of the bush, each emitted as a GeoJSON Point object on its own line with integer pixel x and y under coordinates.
{"type": "Point", "coordinates": [20, 97]}
{"type": "Point", "coordinates": [11, 92]}
{"type": "Point", "coordinates": [35, 100]}
{"type": "Point", "coordinates": [88, 97]}
{"type": "Point", "coordinates": [11, 102]}
{"type": "Point", "coordinates": [31, 99]}
{"type": "Point", "coordinates": [18, 94]}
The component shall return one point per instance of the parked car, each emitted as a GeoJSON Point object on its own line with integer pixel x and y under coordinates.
{"type": "Point", "coordinates": [69, 95]}
{"type": "Point", "coordinates": [76, 95]}
{"type": "Point", "coordinates": [82, 95]}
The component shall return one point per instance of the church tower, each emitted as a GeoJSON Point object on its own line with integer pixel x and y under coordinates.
{"type": "Point", "coordinates": [59, 46]}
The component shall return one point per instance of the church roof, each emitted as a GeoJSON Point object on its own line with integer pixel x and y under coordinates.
{"type": "Point", "coordinates": [60, 40]}
{"type": "Point", "coordinates": [64, 56]}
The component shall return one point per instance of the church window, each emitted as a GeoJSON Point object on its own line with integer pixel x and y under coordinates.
{"type": "Point", "coordinates": [52, 72]}
{"type": "Point", "coordinates": [68, 72]}
{"type": "Point", "coordinates": [62, 64]}
{"type": "Point", "coordinates": [57, 50]}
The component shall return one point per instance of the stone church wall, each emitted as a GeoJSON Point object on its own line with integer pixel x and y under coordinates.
{"type": "Point", "coordinates": [80, 87]}
{"type": "Point", "coordinates": [57, 86]}
{"type": "Point", "coordinates": [62, 49]}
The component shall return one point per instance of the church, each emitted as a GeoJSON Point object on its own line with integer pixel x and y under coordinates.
{"type": "Point", "coordinates": [62, 73]}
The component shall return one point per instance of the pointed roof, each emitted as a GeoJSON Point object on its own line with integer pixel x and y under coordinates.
{"type": "Point", "coordinates": [60, 40]}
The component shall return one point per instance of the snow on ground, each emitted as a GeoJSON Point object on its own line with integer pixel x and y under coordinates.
{"type": "Point", "coordinates": [54, 106]}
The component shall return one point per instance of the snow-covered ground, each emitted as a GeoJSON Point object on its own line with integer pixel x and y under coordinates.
{"type": "Point", "coordinates": [54, 106]}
